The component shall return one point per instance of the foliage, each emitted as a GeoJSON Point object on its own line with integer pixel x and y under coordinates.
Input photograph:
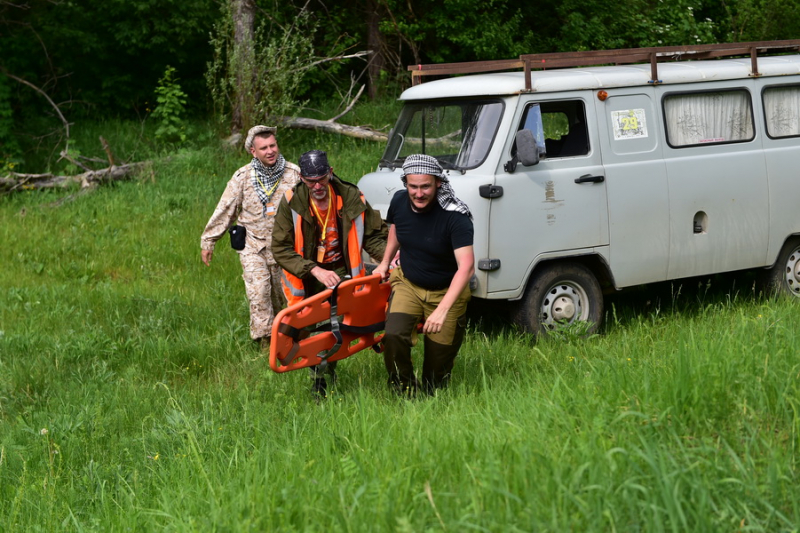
{"type": "Point", "coordinates": [9, 147]}
{"type": "Point", "coordinates": [104, 57]}
{"type": "Point", "coordinates": [263, 77]}
{"type": "Point", "coordinates": [131, 43]}
{"type": "Point", "coordinates": [170, 106]}
{"type": "Point", "coordinates": [131, 397]}
{"type": "Point", "coordinates": [761, 20]}
{"type": "Point", "coordinates": [638, 23]}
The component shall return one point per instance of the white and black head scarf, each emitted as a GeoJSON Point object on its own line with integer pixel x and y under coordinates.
{"type": "Point", "coordinates": [425, 164]}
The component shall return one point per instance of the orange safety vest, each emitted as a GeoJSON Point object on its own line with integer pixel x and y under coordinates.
{"type": "Point", "coordinates": [293, 287]}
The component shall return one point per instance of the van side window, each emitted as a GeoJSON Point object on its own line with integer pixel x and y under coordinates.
{"type": "Point", "coordinates": [782, 110]}
{"type": "Point", "coordinates": [694, 119]}
{"type": "Point", "coordinates": [565, 128]}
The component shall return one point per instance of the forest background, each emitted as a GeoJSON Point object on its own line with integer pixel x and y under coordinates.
{"type": "Point", "coordinates": [132, 399]}
{"type": "Point", "coordinates": [239, 60]}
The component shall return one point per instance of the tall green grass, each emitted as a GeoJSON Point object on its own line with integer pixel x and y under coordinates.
{"type": "Point", "coordinates": [131, 397]}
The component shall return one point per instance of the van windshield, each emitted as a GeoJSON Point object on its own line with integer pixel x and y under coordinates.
{"type": "Point", "coordinates": [457, 133]}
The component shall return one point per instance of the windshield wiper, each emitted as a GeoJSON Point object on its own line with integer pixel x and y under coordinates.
{"type": "Point", "coordinates": [385, 163]}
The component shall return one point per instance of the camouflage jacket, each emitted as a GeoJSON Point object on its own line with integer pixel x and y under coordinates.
{"type": "Point", "coordinates": [240, 202]}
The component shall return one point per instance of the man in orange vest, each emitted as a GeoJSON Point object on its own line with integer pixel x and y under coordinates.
{"type": "Point", "coordinates": [321, 228]}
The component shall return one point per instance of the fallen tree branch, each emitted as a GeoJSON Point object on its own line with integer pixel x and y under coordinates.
{"type": "Point", "coordinates": [88, 180]}
{"type": "Point", "coordinates": [65, 155]}
{"type": "Point", "coordinates": [21, 182]}
{"type": "Point", "coordinates": [107, 149]}
{"type": "Point", "coordinates": [359, 132]}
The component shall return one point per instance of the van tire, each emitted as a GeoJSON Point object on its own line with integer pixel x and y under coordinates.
{"type": "Point", "coordinates": [561, 292]}
{"type": "Point", "coordinates": [783, 279]}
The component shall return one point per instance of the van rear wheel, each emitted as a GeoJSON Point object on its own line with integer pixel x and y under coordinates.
{"type": "Point", "coordinates": [558, 296]}
{"type": "Point", "coordinates": [783, 278]}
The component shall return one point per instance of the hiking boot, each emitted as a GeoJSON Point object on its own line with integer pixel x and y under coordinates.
{"type": "Point", "coordinates": [431, 385]}
{"type": "Point", "coordinates": [402, 387]}
{"type": "Point", "coordinates": [319, 389]}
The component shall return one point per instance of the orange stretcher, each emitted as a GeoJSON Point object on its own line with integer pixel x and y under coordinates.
{"type": "Point", "coordinates": [353, 313]}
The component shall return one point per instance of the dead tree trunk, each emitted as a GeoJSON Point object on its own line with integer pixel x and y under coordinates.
{"type": "Point", "coordinates": [375, 45]}
{"type": "Point", "coordinates": [244, 16]}
{"type": "Point", "coordinates": [14, 182]}
{"type": "Point", "coordinates": [359, 132]}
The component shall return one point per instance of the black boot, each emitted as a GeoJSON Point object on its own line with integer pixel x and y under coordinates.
{"type": "Point", "coordinates": [406, 388]}
{"type": "Point", "coordinates": [319, 389]}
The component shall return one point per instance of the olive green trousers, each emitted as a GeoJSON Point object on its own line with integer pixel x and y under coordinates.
{"type": "Point", "coordinates": [408, 306]}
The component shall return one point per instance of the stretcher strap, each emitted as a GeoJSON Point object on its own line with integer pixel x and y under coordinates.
{"type": "Point", "coordinates": [296, 335]}
{"type": "Point", "coordinates": [335, 329]}
{"type": "Point", "coordinates": [363, 330]}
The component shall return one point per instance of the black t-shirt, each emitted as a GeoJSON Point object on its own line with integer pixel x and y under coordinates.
{"type": "Point", "coordinates": [427, 241]}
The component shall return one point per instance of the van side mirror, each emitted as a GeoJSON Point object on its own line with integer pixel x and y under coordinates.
{"type": "Point", "coordinates": [527, 151]}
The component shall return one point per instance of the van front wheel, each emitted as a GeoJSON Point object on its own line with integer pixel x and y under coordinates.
{"type": "Point", "coordinates": [784, 277]}
{"type": "Point", "coordinates": [558, 296]}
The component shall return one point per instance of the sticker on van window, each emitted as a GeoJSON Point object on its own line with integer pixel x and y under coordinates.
{"type": "Point", "coordinates": [628, 124]}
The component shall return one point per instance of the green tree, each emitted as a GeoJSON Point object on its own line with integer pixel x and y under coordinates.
{"type": "Point", "coordinates": [103, 56]}
{"type": "Point", "coordinates": [9, 147]}
{"type": "Point", "coordinates": [637, 23]}
{"type": "Point", "coordinates": [170, 106]}
{"type": "Point", "coordinates": [761, 20]}
{"type": "Point", "coordinates": [255, 78]}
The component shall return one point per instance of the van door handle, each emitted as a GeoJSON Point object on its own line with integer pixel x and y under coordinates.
{"type": "Point", "coordinates": [588, 178]}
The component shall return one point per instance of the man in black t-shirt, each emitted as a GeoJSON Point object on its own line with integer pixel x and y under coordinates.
{"type": "Point", "coordinates": [433, 231]}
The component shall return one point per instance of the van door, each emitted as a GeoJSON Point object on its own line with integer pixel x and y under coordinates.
{"type": "Point", "coordinates": [718, 189]}
{"type": "Point", "coordinates": [636, 183]}
{"type": "Point", "coordinates": [543, 209]}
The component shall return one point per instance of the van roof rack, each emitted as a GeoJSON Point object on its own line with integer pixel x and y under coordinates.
{"type": "Point", "coordinates": [622, 56]}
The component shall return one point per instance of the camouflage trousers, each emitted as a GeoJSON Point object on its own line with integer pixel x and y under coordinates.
{"type": "Point", "coordinates": [262, 283]}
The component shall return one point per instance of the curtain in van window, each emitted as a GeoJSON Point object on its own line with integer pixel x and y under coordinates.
{"type": "Point", "coordinates": [699, 118]}
{"type": "Point", "coordinates": [782, 110]}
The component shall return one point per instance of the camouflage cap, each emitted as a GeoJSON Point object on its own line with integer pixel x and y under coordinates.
{"type": "Point", "coordinates": [257, 130]}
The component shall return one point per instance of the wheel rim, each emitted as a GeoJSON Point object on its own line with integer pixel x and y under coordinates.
{"type": "Point", "coordinates": [564, 302]}
{"type": "Point", "coordinates": [793, 272]}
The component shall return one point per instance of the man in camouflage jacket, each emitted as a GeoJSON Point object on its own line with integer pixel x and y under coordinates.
{"type": "Point", "coordinates": [252, 196]}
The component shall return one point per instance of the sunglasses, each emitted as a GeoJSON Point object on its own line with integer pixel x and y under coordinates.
{"type": "Point", "coordinates": [311, 183]}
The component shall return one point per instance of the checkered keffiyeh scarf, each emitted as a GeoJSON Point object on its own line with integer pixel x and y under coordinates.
{"type": "Point", "coordinates": [425, 164]}
{"type": "Point", "coordinates": [269, 176]}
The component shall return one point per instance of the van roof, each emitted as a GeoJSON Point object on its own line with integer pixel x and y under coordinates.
{"type": "Point", "coordinates": [571, 79]}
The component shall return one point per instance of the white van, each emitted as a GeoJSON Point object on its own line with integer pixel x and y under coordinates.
{"type": "Point", "coordinates": [628, 174]}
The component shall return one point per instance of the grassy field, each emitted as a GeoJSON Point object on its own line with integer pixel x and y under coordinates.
{"type": "Point", "coordinates": [131, 398]}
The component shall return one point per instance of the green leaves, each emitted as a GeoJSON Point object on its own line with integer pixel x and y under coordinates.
{"type": "Point", "coordinates": [170, 106]}
{"type": "Point", "coordinates": [9, 148]}
{"type": "Point", "coordinates": [261, 78]}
